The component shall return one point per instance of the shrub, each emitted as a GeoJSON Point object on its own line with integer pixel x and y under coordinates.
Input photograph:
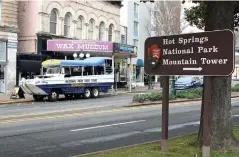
{"type": "Point", "coordinates": [235, 88]}
{"type": "Point", "coordinates": [154, 96]}
{"type": "Point", "coordinates": [157, 96]}
{"type": "Point", "coordinates": [190, 93]}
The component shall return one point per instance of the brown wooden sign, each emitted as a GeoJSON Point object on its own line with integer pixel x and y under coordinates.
{"type": "Point", "coordinates": [204, 53]}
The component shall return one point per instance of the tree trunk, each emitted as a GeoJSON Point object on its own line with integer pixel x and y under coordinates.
{"type": "Point", "coordinates": [220, 16]}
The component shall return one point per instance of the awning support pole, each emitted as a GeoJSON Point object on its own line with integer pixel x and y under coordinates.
{"type": "Point", "coordinates": [130, 71]}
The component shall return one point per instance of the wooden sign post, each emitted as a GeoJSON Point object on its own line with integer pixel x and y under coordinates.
{"type": "Point", "coordinates": [205, 53]}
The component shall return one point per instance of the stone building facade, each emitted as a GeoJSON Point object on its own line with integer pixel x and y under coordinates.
{"type": "Point", "coordinates": [8, 45]}
{"type": "Point", "coordinates": [67, 19]}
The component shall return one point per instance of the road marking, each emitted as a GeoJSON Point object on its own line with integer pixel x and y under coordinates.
{"type": "Point", "coordinates": [104, 126]}
{"type": "Point", "coordinates": [55, 111]}
{"type": "Point", "coordinates": [17, 118]}
{"type": "Point", "coordinates": [69, 115]}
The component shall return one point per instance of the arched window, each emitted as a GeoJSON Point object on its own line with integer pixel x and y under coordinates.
{"type": "Point", "coordinates": [79, 27]}
{"type": "Point", "coordinates": [67, 24]}
{"type": "Point", "coordinates": [53, 21]}
{"type": "Point", "coordinates": [110, 34]}
{"type": "Point", "coordinates": [91, 29]}
{"type": "Point", "coordinates": [102, 31]}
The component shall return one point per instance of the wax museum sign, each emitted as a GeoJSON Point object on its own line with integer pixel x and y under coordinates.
{"type": "Point", "coordinates": [205, 53]}
{"type": "Point", "coordinates": [79, 45]}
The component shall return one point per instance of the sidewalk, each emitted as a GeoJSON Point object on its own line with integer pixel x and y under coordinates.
{"type": "Point", "coordinates": [139, 89]}
{"type": "Point", "coordinates": [5, 99]}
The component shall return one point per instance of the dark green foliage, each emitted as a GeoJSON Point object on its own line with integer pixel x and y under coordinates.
{"type": "Point", "coordinates": [235, 88]}
{"type": "Point", "coordinates": [157, 96]}
{"type": "Point", "coordinates": [196, 15]}
{"type": "Point", "coordinates": [190, 93]}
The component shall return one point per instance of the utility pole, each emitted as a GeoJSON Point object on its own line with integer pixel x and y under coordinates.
{"type": "Point", "coordinates": [150, 82]}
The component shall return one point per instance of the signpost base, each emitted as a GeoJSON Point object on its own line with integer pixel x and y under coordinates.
{"type": "Point", "coordinates": [164, 145]}
{"type": "Point", "coordinates": [205, 151]}
{"type": "Point", "coordinates": [206, 115]}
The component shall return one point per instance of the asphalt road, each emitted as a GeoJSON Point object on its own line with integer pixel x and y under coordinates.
{"type": "Point", "coordinates": [71, 128]}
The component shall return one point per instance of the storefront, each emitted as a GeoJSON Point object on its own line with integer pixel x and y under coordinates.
{"type": "Point", "coordinates": [78, 49]}
{"type": "Point", "coordinates": [8, 51]}
{"type": "Point", "coordinates": [126, 72]}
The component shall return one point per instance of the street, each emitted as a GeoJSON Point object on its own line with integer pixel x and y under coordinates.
{"type": "Point", "coordinates": [68, 128]}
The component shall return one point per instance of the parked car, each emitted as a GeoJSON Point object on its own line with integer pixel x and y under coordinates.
{"type": "Point", "coordinates": [187, 82]}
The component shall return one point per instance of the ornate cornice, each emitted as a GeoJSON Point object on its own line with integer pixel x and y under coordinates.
{"type": "Point", "coordinates": [44, 14]}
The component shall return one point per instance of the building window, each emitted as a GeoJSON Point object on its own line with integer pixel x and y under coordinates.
{"type": "Point", "coordinates": [110, 35]}
{"type": "Point", "coordinates": [53, 21]}
{"type": "Point", "coordinates": [136, 10]}
{"type": "Point", "coordinates": [67, 24]}
{"type": "Point", "coordinates": [91, 29]}
{"type": "Point", "coordinates": [136, 42]}
{"type": "Point", "coordinates": [79, 27]}
{"type": "Point", "coordinates": [102, 31]}
{"type": "Point", "coordinates": [136, 29]}
{"type": "Point", "coordinates": [3, 51]}
{"type": "Point", "coordinates": [123, 40]}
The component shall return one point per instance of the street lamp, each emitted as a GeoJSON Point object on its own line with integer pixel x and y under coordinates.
{"type": "Point", "coordinates": [81, 55]}
{"type": "Point", "coordinates": [87, 55]}
{"type": "Point", "coordinates": [75, 55]}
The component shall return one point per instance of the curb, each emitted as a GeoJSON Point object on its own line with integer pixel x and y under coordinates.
{"type": "Point", "coordinates": [14, 102]}
{"type": "Point", "coordinates": [126, 92]}
{"type": "Point", "coordinates": [172, 101]}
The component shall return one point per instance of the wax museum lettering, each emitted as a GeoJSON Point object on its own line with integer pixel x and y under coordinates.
{"type": "Point", "coordinates": [82, 46]}
{"type": "Point", "coordinates": [92, 46]}
{"type": "Point", "coordinates": [65, 46]}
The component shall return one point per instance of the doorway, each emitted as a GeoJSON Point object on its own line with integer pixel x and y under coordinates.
{"type": "Point", "coordinates": [2, 79]}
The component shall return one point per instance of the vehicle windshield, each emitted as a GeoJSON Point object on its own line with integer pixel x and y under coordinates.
{"type": "Point", "coordinates": [184, 79]}
{"type": "Point", "coordinates": [55, 70]}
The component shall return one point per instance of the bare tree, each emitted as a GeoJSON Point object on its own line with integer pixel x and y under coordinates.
{"type": "Point", "coordinates": [166, 19]}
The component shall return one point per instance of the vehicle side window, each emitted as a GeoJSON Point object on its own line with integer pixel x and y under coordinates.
{"type": "Point", "coordinates": [87, 71]}
{"type": "Point", "coordinates": [76, 71]}
{"type": "Point", "coordinates": [99, 70]}
{"type": "Point", "coordinates": [67, 72]}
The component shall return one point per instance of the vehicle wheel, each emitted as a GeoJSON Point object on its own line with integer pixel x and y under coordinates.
{"type": "Point", "coordinates": [87, 93]}
{"type": "Point", "coordinates": [68, 96]}
{"type": "Point", "coordinates": [54, 96]}
{"type": "Point", "coordinates": [38, 97]}
{"type": "Point", "coordinates": [95, 92]}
